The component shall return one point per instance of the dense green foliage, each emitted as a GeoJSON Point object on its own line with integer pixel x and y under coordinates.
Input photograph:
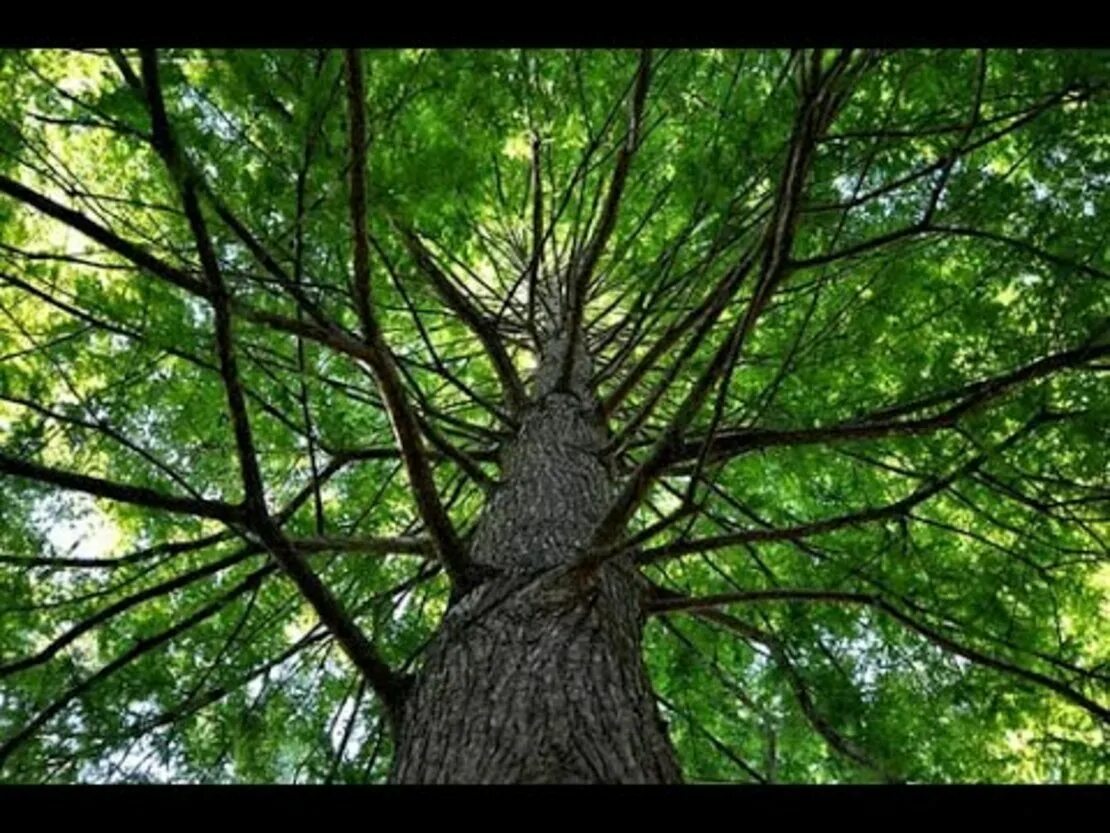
{"type": "Point", "coordinates": [110, 370]}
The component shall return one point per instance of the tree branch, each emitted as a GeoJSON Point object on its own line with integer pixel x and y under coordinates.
{"type": "Point", "coordinates": [672, 602]}
{"type": "Point", "coordinates": [124, 493]}
{"type": "Point", "coordinates": [730, 443]}
{"type": "Point", "coordinates": [387, 685]}
{"type": "Point", "coordinates": [513, 389]}
{"type": "Point", "coordinates": [406, 429]}
{"type": "Point", "coordinates": [578, 283]}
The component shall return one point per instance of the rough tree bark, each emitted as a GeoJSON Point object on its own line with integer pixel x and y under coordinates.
{"type": "Point", "coordinates": [536, 676]}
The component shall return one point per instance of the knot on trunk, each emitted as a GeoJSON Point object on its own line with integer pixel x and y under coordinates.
{"type": "Point", "coordinates": [473, 576]}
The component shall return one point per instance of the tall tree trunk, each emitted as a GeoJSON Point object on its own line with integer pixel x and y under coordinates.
{"type": "Point", "coordinates": [536, 676]}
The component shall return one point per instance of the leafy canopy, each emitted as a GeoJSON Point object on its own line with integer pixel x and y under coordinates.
{"type": "Point", "coordinates": [900, 475]}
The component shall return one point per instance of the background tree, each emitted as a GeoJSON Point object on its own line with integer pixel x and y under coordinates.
{"type": "Point", "coordinates": [576, 415]}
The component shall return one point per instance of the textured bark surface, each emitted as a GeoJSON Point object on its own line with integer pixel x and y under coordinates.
{"type": "Point", "coordinates": [537, 676]}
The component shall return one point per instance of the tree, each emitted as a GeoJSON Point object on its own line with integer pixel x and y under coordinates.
{"type": "Point", "coordinates": [554, 416]}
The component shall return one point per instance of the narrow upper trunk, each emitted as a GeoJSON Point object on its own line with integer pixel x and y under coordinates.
{"type": "Point", "coordinates": [537, 676]}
